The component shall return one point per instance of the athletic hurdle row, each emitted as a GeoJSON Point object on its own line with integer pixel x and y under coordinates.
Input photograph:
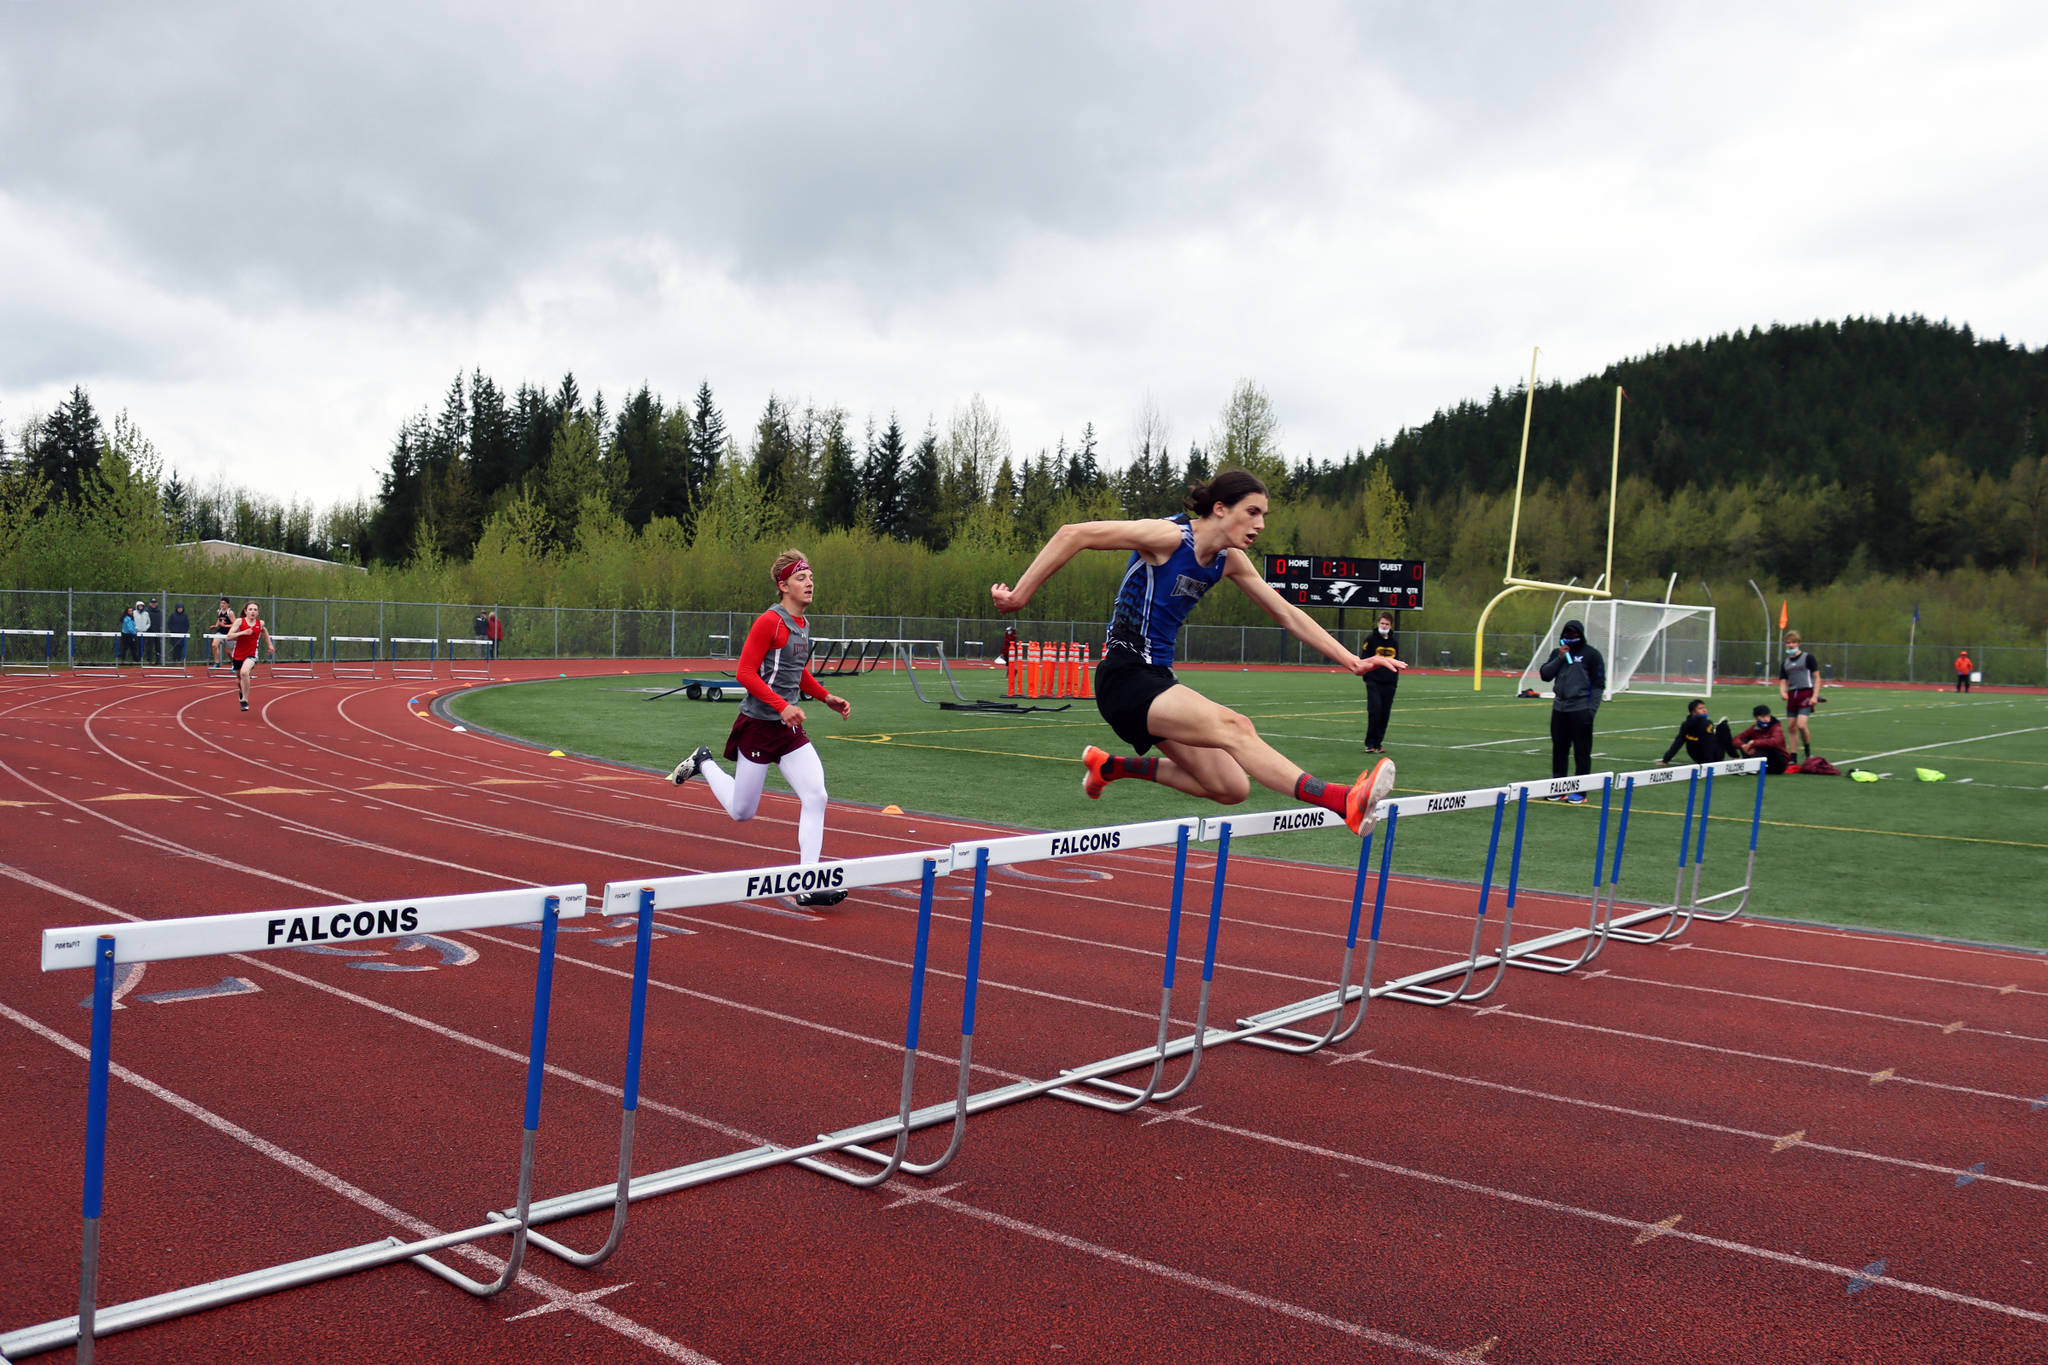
{"type": "Point", "coordinates": [880, 1150]}
{"type": "Point", "coordinates": [163, 655]}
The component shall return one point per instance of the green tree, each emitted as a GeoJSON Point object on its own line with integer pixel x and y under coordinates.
{"type": "Point", "coordinates": [66, 449]}
{"type": "Point", "coordinates": [839, 489]}
{"type": "Point", "coordinates": [707, 441]}
{"type": "Point", "coordinates": [923, 511]}
{"type": "Point", "coordinates": [881, 480]}
{"type": "Point", "coordinates": [1247, 435]}
{"type": "Point", "coordinates": [1382, 516]}
{"type": "Point", "coordinates": [573, 474]}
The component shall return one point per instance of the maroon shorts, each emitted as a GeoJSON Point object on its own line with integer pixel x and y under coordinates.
{"type": "Point", "coordinates": [1799, 701]}
{"type": "Point", "coordinates": [763, 741]}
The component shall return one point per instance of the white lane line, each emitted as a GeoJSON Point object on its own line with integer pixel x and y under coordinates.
{"type": "Point", "coordinates": [1190, 1280]}
{"type": "Point", "coordinates": [1853, 1153]}
{"type": "Point", "coordinates": [1945, 1025]}
{"type": "Point", "coordinates": [566, 1299]}
{"type": "Point", "coordinates": [1617, 1221]}
{"type": "Point", "coordinates": [1830, 1067]}
{"type": "Point", "coordinates": [1948, 743]}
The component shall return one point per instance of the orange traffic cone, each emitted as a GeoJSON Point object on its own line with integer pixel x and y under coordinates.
{"type": "Point", "coordinates": [1087, 671]}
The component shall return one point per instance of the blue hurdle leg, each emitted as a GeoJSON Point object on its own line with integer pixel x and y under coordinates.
{"type": "Point", "coordinates": [95, 1142]}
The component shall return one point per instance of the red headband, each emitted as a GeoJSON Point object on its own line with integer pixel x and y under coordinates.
{"type": "Point", "coordinates": [783, 573]}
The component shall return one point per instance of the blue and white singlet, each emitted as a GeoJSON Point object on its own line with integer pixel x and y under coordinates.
{"type": "Point", "coordinates": [1154, 600]}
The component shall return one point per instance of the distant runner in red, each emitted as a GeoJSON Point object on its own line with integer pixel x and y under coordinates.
{"type": "Point", "coordinates": [245, 635]}
{"type": "Point", "coordinates": [770, 727]}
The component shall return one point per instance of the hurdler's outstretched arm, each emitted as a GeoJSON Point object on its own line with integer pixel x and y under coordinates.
{"type": "Point", "coordinates": [1150, 538]}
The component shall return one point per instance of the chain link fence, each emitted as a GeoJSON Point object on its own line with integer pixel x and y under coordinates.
{"type": "Point", "coordinates": [622, 633]}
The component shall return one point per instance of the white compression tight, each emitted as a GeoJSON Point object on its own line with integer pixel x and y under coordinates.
{"type": "Point", "coordinates": [740, 794]}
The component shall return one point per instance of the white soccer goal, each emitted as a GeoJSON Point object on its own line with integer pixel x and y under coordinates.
{"type": "Point", "coordinates": [1653, 647]}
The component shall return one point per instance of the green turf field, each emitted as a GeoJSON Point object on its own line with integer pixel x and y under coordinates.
{"type": "Point", "coordinates": [1964, 858]}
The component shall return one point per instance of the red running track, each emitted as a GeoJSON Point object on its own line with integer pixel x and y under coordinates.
{"type": "Point", "coordinates": [1700, 1151]}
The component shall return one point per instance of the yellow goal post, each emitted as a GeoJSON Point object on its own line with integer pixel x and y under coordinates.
{"type": "Point", "coordinates": [1602, 586]}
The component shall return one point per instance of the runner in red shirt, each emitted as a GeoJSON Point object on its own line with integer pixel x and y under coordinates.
{"type": "Point", "coordinates": [245, 636]}
{"type": "Point", "coordinates": [770, 727]}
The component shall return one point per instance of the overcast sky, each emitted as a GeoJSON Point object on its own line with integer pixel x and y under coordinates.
{"type": "Point", "coordinates": [272, 233]}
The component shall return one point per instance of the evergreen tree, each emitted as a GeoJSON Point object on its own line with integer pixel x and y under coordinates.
{"type": "Point", "coordinates": [574, 474]}
{"type": "Point", "coordinates": [881, 480]}
{"type": "Point", "coordinates": [923, 513]}
{"type": "Point", "coordinates": [775, 452]}
{"type": "Point", "coordinates": [493, 438]}
{"type": "Point", "coordinates": [707, 441]}
{"type": "Point", "coordinates": [534, 420]}
{"type": "Point", "coordinates": [839, 488]}
{"type": "Point", "coordinates": [637, 448]}
{"type": "Point", "coordinates": [394, 525]}
{"type": "Point", "coordinates": [177, 500]}
{"type": "Point", "coordinates": [66, 450]}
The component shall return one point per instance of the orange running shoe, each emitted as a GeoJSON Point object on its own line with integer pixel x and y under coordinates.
{"type": "Point", "coordinates": [1093, 761]}
{"type": "Point", "coordinates": [1362, 807]}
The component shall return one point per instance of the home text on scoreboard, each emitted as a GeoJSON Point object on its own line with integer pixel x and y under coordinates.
{"type": "Point", "coordinates": [1347, 581]}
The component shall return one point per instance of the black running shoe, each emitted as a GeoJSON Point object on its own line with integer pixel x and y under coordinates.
{"type": "Point", "coordinates": [819, 900]}
{"type": "Point", "coordinates": [245, 706]}
{"type": "Point", "coordinates": [690, 766]}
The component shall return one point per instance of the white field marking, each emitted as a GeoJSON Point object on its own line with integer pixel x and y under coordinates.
{"type": "Point", "coordinates": [1947, 744]}
{"type": "Point", "coordinates": [1946, 1026]}
{"type": "Point", "coordinates": [1859, 1072]}
{"type": "Point", "coordinates": [1188, 1279]}
{"type": "Point", "coordinates": [1633, 1225]}
{"type": "Point", "coordinates": [2031, 956]}
{"type": "Point", "coordinates": [636, 1332]}
{"type": "Point", "coordinates": [1870, 971]}
{"type": "Point", "coordinates": [1776, 1139]}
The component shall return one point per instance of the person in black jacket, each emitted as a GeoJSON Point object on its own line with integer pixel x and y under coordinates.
{"type": "Point", "coordinates": [1704, 741]}
{"type": "Point", "coordinates": [1381, 682]}
{"type": "Point", "coordinates": [1578, 680]}
{"type": "Point", "coordinates": [180, 629]}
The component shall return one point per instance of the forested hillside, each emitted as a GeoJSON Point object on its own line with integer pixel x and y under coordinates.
{"type": "Point", "coordinates": [1899, 445]}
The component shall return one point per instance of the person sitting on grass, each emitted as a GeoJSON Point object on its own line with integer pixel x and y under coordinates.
{"type": "Point", "coordinates": [1766, 740]}
{"type": "Point", "coordinates": [1704, 741]}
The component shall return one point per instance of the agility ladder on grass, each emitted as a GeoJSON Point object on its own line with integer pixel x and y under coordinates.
{"type": "Point", "coordinates": [1288, 1027]}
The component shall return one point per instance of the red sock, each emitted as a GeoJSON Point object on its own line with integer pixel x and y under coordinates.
{"type": "Point", "coordinates": [1315, 791]}
{"type": "Point", "coordinates": [1120, 766]}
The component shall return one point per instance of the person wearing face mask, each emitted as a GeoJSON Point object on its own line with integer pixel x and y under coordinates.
{"type": "Point", "coordinates": [1384, 650]}
{"type": "Point", "coordinates": [1799, 687]}
{"type": "Point", "coordinates": [1578, 680]}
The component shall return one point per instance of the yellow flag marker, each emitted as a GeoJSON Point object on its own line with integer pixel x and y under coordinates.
{"type": "Point", "coordinates": [1658, 1229]}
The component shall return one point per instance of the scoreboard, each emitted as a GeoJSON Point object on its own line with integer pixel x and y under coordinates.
{"type": "Point", "coordinates": [1328, 581]}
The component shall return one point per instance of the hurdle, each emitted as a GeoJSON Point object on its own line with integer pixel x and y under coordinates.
{"type": "Point", "coordinates": [17, 653]}
{"type": "Point", "coordinates": [473, 668]}
{"type": "Point", "coordinates": [103, 947]}
{"type": "Point", "coordinates": [363, 651]}
{"type": "Point", "coordinates": [1686, 904]}
{"type": "Point", "coordinates": [288, 660]}
{"type": "Point", "coordinates": [413, 667]}
{"type": "Point", "coordinates": [156, 654]}
{"type": "Point", "coordinates": [641, 899]}
{"type": "Point", "coordinates": [90, 665]}
{"type": "Point", "coordinates": [833, 658]}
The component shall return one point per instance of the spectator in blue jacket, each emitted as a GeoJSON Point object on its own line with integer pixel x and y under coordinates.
{"type": "Point", "coordinates": [1578, 680]}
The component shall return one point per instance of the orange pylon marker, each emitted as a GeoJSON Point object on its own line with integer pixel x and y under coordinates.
{"type": "Point", "coordinates": [1013, 679]}
{"type": "Point", "coordinates": [1087, 671]}
{"type": "Point", "coordinates": [1031, 669]}
{"type": "Point", "coordinates": [1072, 675]}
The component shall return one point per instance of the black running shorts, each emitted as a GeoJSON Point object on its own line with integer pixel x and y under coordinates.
{"type": "Point", "coordinates": [1124, 691]}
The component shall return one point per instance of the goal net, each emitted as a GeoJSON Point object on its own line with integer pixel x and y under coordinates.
{"type": "Point", "coordinates": [1652, 647]}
